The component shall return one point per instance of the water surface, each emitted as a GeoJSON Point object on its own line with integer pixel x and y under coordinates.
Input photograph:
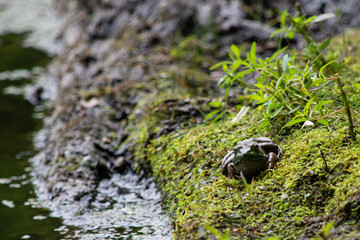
{"type": "Point", "coordinates": [18, 219]}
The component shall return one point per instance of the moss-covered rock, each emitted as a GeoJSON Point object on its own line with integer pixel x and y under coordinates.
{"type": "Point", "coordinates": [313, 191]}
{"type": "Point", "coordinates": [316, 182]}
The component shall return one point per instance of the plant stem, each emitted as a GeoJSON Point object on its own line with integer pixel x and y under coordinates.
{"type": "Point", "coordinates": [347, 108]}
{"type": "Point", "coordinates": [323, 157]}
{"type": "Point", "coordinates": [330, 114]}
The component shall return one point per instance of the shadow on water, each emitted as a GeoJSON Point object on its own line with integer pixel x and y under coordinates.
{"type": "Point", "coordinates": [18, 220]}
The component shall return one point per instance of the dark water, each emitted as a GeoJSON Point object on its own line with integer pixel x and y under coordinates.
{"type": "Point", "coordinates": [18, 218]}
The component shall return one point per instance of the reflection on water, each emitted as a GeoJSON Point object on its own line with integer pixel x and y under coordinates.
{"type": "Point", "coordinates": [18, 220]}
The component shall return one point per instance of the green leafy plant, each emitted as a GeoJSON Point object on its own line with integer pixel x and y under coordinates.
{"type": "Point", "coordinates": [290, 88]}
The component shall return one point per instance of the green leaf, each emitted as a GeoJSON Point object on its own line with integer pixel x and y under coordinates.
{"type": "Point", "coordinates": [214, 231]}
{"type": "Point", "coordinates": [227, 93]}
{"type": "Point", "coordinates": [291, 35]}
{"type": "Point", "coordinates": [215, 104]}
{"type": "Point", "coordinates": [283, 18]}
{"type": "Point", "coordinates": [275, 32]}
{"type": "Point", "coordinates": [319, 106]}
{"type": "Point", "coordinates": [310, 19]}
{"type": "Point", "coordinates": [323, 67]}
{"type": "Point", "coordinates": [261, 86]}
{"type": "Point", "coordinates": [328, 228]}
{"type": "Point", "coordinates": [323, 122]}
{"type": "Point", "coordinates": [220, 64]}
{"type": "Point", "coordinates": [235, 50]}
{"type": "Point", "coordinates": [222, 81]}
{"type": "Point", "coordinates": [295, 121]}
{"type": "Point", "coordinates": [316, 81]}
{"type": "Point", "coordinates": [322, 103]}
{"type": "Point", "coordinates": [213, 113]}
{"type": "Point", "coordinates": [275, 54]}
{"type": "Point", "coordinates": [253, 54]}
{"type": "Point", "coordinates": [218, 117]}
{"type": "Point", "coordinates": [277, 112]}
{"type": "Point", "coordinates": [279, 82]}
{"type": "Point", "coordinates": [236, 65]}
{"type": "Point", "coordinates": [257, 98]}
{"type": "Point", "coordinates": [304, 90]}
{"type": "Point", "coordinates": [243, 73]}
{"type": "Point", "coordinates": [270, 106]}
{"type": "Point", "coordinates": [284, 63]}
{"type": "Point", "coordinates": [225, 68]}
{"type": "Point", "coordinates": [324, 44]}
{"type": "Point", "coordinates": [293, 110]}
{"type": "Point", "coordinates": [305, 73]}
{"type": "Point", "coordinates": [357, 85]}
{"type": "Point", "coordinates": [307, 106]}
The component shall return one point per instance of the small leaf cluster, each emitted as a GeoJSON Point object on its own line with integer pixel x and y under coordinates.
{"type": "Point", "coordinates": [299, 24]}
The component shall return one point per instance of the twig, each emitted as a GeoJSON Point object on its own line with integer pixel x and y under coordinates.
{"type": "Point", "coordinates": [330, 114]}
{"type": "Point", "coordinates": [240, 114]}
{"type": "Point", "coordinates": [323, 157]}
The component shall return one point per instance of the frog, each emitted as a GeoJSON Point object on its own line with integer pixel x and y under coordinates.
{"type": "Point", "coordinates": [250, 157]}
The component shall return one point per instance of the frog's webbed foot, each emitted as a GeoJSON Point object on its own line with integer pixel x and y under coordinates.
{"type": "Point", "coordinates": [273, 159]}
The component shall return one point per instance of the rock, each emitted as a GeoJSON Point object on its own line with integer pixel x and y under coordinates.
{"type": "Point", "coordinates": [90, 162]}
{"type": "Point", "coordinates": [120, 164]}
{"type": "Point", "coordinates": [103, 24]}
{"type": "Point", "coordinates": [34, 94]}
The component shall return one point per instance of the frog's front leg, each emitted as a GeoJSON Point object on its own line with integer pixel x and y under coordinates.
{"type": "Point", "coordinates": [225, 161]}
{"type": "Point", "coordinates": [230, 170]}
{"type": "Point", "coordinates": [273, 159]}
{"type": "Point", "coordinates": [227, 165]}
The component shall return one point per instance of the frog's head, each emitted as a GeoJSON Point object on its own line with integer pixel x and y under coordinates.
{"type": "Point", "coordinates": [249, 152]}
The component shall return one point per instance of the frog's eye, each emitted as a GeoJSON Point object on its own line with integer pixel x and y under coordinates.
{"type": "Point", "coordinates": [254, 147]}
{"type": "Point", "coordinates": [237, 149]}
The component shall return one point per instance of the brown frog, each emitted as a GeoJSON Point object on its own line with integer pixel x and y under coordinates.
{"type": "Point", "coordinates": [250, 157]}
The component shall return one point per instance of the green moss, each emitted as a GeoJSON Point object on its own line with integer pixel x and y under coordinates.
{"type": "Point", "coordinates": [317, 180]}
{"type": "Point", "coordinates": [293, 200]}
